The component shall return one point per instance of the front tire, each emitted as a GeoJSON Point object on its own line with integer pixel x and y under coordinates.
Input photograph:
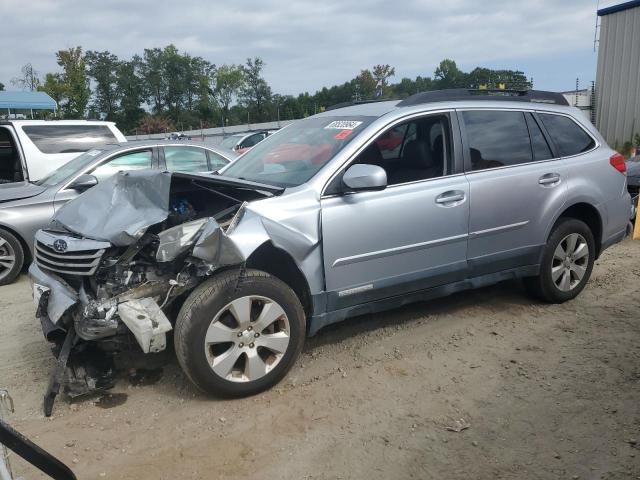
{"type": "Point", "coordinates": [237, 337]}
{"type": "Point", "coordinates": [11, 257]}
{"type": "Point", "coordinates": [567, 262]}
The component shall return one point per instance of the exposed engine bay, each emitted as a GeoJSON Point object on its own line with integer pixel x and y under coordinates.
{"type": "Point", "coordinates": [115, 265]}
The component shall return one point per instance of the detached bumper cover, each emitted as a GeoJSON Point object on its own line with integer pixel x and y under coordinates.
{"type": "Point", "coordinates": [61, 296]}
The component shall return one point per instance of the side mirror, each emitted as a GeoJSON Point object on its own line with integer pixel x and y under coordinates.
{"type": "Point", "coordinates": [362, 177]}
{"type": "Point", "coordinates": [84, 182]}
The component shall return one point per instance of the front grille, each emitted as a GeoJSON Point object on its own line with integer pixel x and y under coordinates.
{"type": "Point", "coordinates": [79, 262]}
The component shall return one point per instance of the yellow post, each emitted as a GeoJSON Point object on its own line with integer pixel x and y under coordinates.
{"type": "Point", "coordinates": [636, 230]}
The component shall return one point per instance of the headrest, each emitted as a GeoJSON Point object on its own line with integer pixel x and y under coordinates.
{"type": "Point", "coordinates": [417, 154]}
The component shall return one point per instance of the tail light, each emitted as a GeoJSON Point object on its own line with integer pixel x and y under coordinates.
{"type": "Point", "coordinates": [617, 161]}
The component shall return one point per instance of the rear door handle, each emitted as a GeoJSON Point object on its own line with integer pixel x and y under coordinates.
{"type": "Point", "coordinates": [549, 179]}
{"type": "Point", "coordinates": [450, 198]}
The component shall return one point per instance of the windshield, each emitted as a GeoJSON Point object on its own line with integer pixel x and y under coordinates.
{"type": "Point", "coordinates": [230, 142]}
{"type": "Point", "coordinates": [69, 168]}
{"type": "Point", "coordinates": [296, 153]}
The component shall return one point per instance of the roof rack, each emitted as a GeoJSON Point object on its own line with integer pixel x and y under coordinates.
{"type": "Point", "coordinates": [531, 96]}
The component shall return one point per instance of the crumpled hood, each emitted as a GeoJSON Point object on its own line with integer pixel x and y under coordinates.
{"type": "Point", "coordinates": [19, 190]}
{"type": "Point", "coordinates": [119, 209]}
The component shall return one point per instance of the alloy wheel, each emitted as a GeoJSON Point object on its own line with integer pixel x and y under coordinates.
{"type": "Point", "coordinates": [247, 339]}
{"type": "Point", "coordinates": [570, 262]}
{"type": "Point", "coordinates": [7, 258]}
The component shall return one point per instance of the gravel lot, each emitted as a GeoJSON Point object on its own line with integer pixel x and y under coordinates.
{"type": "Point", "coordinates": [546, 391]}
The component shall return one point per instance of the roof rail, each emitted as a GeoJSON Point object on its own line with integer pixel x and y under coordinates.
{"type": "Point", "coordinates": [359, 102]}
{"type": "Point", "coordinates": [532, 96]}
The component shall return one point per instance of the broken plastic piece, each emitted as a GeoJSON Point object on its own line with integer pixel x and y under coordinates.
{"type": "Point", "coordinates": [62, 296]}
{"type": "Point", "coordinates": [147, 323]}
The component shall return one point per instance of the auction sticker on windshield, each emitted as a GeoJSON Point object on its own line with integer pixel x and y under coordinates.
{"type": "Point", "coordinates": [343, 125]}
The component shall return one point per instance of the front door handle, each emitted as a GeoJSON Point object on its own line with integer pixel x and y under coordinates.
{"type": "Point", "coordinates": [549, 179]}
{"type": "Point", "coordinates": [450, 198]}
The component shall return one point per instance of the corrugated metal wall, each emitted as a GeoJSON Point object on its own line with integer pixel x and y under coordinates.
{"type": "Point", "coordinates": [618, 77]}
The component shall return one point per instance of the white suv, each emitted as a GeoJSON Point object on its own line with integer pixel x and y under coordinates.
{"type": "Point", "coordinates": [31, 149]}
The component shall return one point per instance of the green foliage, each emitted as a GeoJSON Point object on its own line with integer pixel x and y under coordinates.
{"type": "Point", "coordinates": [130, 90]}
{"type": "Point", "coordinates": [1, 86]}
{"type": "Point", "coordinates": [70, 89]}
{"type": "Point", "coordinates": [230, 79]}
{"type": "Point", "coordinates": [103, 69]}
{"type": "Point", "coordinates": [448, 75]}
{"type": "Point", "coordinates": [255, 93]}
{"type": "Point", "coordinates": [186, 92]}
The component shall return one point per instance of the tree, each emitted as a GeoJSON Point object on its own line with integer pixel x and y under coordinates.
{"type": "Point", "coordinates": [381, 74]}
{"type": "Point", "coordinates": [54, 87]}
{"type": "Point", "coordinates": [130, 90]}
{"type": "Point", "coordinates": [255, 94]}
{"type": "Point", "coordinates": [448, 75]}
{"type": "Point", "coordinates": [151, 71]}
{"type": "Point", "coordinates": [29, 80]}
{"type": "Point", "coordinates": [511, 79]}
{"type": "Point", "coordinates": [103, 68]}
{"type": "Point", "coordinates": [364, 86]}
{"type": "Point", "coordinates": [1, 86]}
{"type": "Point", "coordinates": [229, 82]}
{"type": "Point", "coordinates": [71, 87]}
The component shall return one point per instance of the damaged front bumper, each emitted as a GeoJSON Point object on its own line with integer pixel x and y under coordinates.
{"type": "Point", "coordinates": [70, 321]}
{"type": "Point", "coordinates": [136, 309]}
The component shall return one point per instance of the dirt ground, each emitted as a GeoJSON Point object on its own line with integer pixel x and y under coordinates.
{"type": "Point", "coordinates": [546, 391]}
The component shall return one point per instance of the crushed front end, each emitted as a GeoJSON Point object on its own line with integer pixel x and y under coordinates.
{"type": "Point", "coordinates": [115, 264]}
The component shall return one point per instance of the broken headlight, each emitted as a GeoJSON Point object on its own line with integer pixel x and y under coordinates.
{"type": "Point", "coordinates": [178, 239]}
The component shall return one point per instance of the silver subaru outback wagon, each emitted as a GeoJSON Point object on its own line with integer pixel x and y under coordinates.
{"type": "Point", "coordinates": [354, 210]}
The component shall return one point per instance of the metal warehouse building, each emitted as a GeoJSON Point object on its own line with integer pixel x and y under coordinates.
{"type": "Point", "coordinates": [618, 77]}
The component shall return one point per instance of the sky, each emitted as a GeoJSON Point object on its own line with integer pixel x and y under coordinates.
{"type": "Point", "coordinates": [310, 44]}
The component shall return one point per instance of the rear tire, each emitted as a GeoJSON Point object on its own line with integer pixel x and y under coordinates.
{"type": "Point", "coordinates": [567, 262]}
{"type": "Point", "coordinates": [236, 337]}
{"type": "Point", "coordinates": [11, 257]}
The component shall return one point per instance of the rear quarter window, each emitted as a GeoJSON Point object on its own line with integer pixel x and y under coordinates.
{"type": "Point", "coordinates": [569, 137]}
{"type": "Point", "coordinates": [68, 138]}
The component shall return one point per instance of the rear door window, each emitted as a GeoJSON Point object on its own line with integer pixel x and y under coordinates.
{"type": "Point", "coordinates": [216, 160]}
{"type": "Point", "coordinates": [68, 138]}
{"type": "Point", "coordinates": [496, 138]}
{"type": "Point", "coordinates": [569, 137]}
{"type": "Point", "coordinates": [137, 160]}
{"type": "Point", "coordinates": [541, 150]}
{"type": "Point", "coordinates": [185, 159]}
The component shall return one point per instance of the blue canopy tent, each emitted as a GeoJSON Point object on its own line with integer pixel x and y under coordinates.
{"type": "Point", "coordinates": [25, 102]}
